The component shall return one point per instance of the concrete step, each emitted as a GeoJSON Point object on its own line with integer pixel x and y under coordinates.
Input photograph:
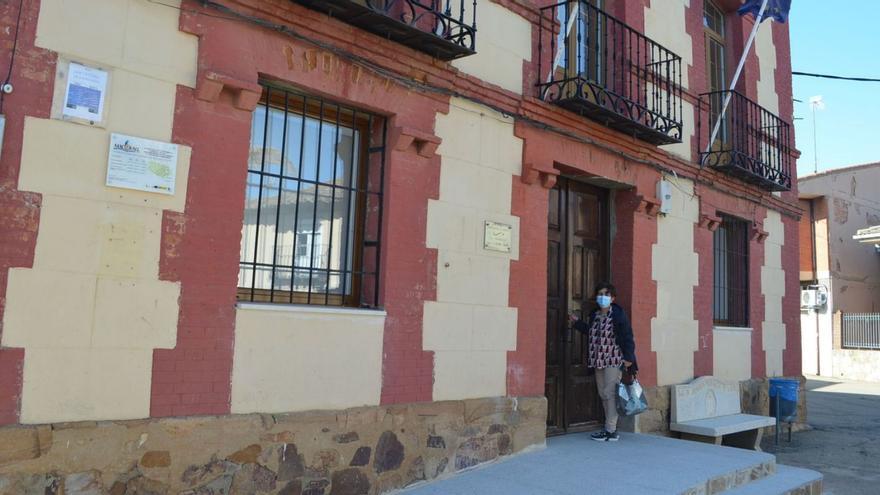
{"type": "Point", "coordinates": [787, 481]}
{"type": "Point", "coordinates": [638, 464]}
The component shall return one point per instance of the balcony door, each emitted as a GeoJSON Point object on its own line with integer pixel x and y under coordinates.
{"type": "Point", "coordinates": [716, 73]}
{"type": "Point", "coordinates": [577, 259]}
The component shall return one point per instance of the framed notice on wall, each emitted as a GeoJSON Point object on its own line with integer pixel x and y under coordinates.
{"type": "Point", "coordinates": [142, 164]}
{"type": "Point", "coordinates": [498, 237]}
{"type": "Point", "coordinates": [85, 93]}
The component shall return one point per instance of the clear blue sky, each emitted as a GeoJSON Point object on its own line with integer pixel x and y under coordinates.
{"type": "Point", "coordinates": [841, 38]}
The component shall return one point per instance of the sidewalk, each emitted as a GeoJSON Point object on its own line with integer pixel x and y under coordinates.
{"type": "Point", "coordinates": [844, 441]}
{"type": "Point", "coordinates": [637, 464]}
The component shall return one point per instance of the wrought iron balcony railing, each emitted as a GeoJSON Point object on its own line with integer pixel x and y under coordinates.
{"type": "Point", "coordinates": [445, 29]}
{"type": "Point", "coordinates": [752, 143]}
{"type": "Point", "coordinates": [603, 69]}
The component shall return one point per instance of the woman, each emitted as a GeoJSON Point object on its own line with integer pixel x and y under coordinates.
{"type": "Point", "coordinates": [610, 349]}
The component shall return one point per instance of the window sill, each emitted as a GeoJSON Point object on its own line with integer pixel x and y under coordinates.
{"type": "Point", "coordinates": [732, 329]}
{"type": "Point", "coordinates": [302, 308]}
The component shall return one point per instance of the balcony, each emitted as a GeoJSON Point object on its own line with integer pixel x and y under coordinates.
{"type": "Point", "coordinates": [444, 29]}
{"type": "Point", "coordinates": [599, 67]}
{"type": "Point", "coordinates": [752, 143]}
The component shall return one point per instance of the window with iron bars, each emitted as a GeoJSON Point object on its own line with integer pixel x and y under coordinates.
{"type": "Point", "coordinates": [313, 203]}
{"type": "Point", "coordinates": [731, 273]}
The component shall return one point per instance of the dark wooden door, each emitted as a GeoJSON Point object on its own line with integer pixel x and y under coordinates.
{"type": "Point", "coordinates": [577, 254]}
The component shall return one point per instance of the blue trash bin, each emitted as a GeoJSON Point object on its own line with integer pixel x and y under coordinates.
{"type": "Point", "coordinates": [787, 390]}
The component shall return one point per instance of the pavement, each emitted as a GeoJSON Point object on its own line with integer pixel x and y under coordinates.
{"type": "Point", "coordinates": [576, 465]}
{"type": "Point", "coordinates": [844, 442]}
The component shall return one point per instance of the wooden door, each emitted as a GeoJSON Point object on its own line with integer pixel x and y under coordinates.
{"type": "Point", "coordinates": [577, 254]}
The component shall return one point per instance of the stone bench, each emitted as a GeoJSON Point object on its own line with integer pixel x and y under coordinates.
{"type": "Point", "coordinates": [708, 410]}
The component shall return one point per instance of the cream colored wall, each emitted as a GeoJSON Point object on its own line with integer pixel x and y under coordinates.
{"type": "Point", "coordinates": [504, 41]}
{"type": "Point", "coordinates": [470, 327]}
{"type": "Point", "coordinates": [766, 51]}
{"type": "Point", "coordinates": [773, 288]}
{"type": "Point", "coordinates": [665, 24]}
{"type": "Point", "coordinates": [674, 266]}
{"type": "Point", "coordinates": [293, 358]}
{"type": "Point", "coordinates": [852, 197]}
{"type": "Point", "coordinates": [92, 309]}
{"type": "Point", "coordinates": [731, 353]}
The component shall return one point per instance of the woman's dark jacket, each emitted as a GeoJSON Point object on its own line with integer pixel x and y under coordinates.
{"type": "Point", "coordinates": [623, 333]}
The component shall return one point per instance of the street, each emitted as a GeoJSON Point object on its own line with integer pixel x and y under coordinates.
{"type": "Point", "coordinates": [843, 442]}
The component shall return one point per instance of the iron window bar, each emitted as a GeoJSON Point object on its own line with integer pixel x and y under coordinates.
{"type": "Point", "coordinates": [318, 176]}
{"type": "Point", "coordinates": [730, 246]}
{"type": "Point", "coordinates": [446, 29]}
{"type": "Point", "coordinates": [752, 144]}
{"type": "Point", "coordinates": [610, 72]}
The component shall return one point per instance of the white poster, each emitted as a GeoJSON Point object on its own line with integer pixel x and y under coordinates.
{"type": "Point", "coordinates": [85, 94]}
{"type": "Point", "coordinates": [142, 164]}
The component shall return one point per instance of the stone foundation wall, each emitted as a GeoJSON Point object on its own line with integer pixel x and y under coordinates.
{"type": "Point", "coordinates": [367, 450]}
{"type": "Point", "coordinates": [856, 364]}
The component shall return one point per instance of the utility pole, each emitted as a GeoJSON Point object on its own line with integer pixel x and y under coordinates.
{"type": "Point", "coordinates": [816, 103]}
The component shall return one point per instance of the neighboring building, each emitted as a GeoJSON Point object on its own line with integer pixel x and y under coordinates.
{"type": "Point", "coordinates": [839, 258]}
{"type": "Point", "coordinates": [381, 214]}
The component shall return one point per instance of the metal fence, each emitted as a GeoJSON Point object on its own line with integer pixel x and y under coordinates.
{"type": "Point", "coordinates": [861, 331]}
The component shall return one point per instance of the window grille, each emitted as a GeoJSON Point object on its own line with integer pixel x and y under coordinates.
{"type": "Point", "coordinates": [731, 273]}
{"type": "Point", "coordinates": [313, 203]}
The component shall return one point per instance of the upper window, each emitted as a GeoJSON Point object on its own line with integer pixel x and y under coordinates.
{"type": "Point", "coordinates": [713, 27]}
{"type": "Point", "coordinates": [731, 273]}
{"type": "Point", "coordinates": [313, 203]}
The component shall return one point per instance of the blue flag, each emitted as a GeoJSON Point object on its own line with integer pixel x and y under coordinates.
{"type": "Point", "coordinates": [777, 9]}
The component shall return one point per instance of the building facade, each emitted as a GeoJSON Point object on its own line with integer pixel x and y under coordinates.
{"type": "Point", "coordinates": [840, 337]}
{"type": "Point", "coordinates": [312, 247]}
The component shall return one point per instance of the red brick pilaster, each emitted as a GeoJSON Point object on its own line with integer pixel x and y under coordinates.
{"type": "Point", "coordinates": [19, 210]}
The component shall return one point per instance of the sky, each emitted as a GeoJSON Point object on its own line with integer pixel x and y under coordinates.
{"type": "Point", "coordinates": [840, 38]}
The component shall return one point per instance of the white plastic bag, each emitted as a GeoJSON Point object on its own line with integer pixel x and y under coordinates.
{"type": "Point", "coordinates": [631, 399]}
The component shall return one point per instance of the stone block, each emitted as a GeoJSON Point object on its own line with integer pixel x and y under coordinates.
{"type": "Point", "coordinates": [85, 384]}
{"type": "Point", "coordinates": [156, 459]}
{"type": "Point", "coordinates": [454, 373]}
{"type": "Point", "coordinates": [472, 279]}
{"type": "Point", "coordinates": [141, 106]}
{"type": "Point", "coordinates": [494, 328]}
{"type": "Point", "coordinates": [154, 44]}
{"type": "Point", "coordinates": [135, 314]}
{"type": "Point", "coordinates": [97, 237]}
{"type": "Point", "coordinates": [349, 482]}
{"type": "Point", "coordinates": [451, 226]}
{"type": "Point", "coordinates": [26, 323]}
{"type": "Point", "coordinates": [447, 326]}
{"type": "Point", "coordinates": [23, 443]}
{"type": "Point", "coordinates": [474, 186]}
{"type": "Point", "coordinates": [323, 360]}
{"type": "Point", "coordinates": [389, 453]}
{"type": "Point", "coordinates": [68, 28]}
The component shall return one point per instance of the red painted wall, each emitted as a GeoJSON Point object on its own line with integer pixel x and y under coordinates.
{"type": "Point", "coordinates": [33, 74]}
{"type": "Point", "coordinates": [200, 246]}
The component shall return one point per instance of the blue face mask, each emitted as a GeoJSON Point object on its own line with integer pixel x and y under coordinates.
{"type": "Point", "coordinates": [603, 301]}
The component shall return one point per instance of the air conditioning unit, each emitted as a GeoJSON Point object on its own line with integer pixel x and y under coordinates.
{"type": "Point", "coordinates": [813, 298]}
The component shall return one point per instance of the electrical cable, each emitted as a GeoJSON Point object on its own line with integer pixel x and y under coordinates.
{"type": "Point", "coordinates": [829, 76]}
{"type": "Point", "coordinates": [12, 57]}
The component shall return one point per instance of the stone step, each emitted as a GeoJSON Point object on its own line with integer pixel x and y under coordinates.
{"type": "Point", "coordinates": [787, 481]}
{"type": "Point", "coordinates": [642, 464]}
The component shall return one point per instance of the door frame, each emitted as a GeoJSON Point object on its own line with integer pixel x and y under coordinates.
{"type": "Point", "coordinates": [605, 198]}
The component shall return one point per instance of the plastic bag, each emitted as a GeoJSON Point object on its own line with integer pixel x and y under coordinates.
{"type": "Point", "coordinates": [631, 399]}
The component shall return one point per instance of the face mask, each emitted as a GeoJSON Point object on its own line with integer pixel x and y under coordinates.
{"type": "Point", "coordinates": [603, 301]}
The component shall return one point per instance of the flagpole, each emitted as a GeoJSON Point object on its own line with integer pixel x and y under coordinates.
{"type": "Point", "coordinates": [742, 62]}
{"type": "Point", "coordinates": [559, 51]}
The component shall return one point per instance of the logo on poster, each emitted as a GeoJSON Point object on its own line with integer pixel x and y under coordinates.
{"type": "Point", "coordinates": [126, 147]}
